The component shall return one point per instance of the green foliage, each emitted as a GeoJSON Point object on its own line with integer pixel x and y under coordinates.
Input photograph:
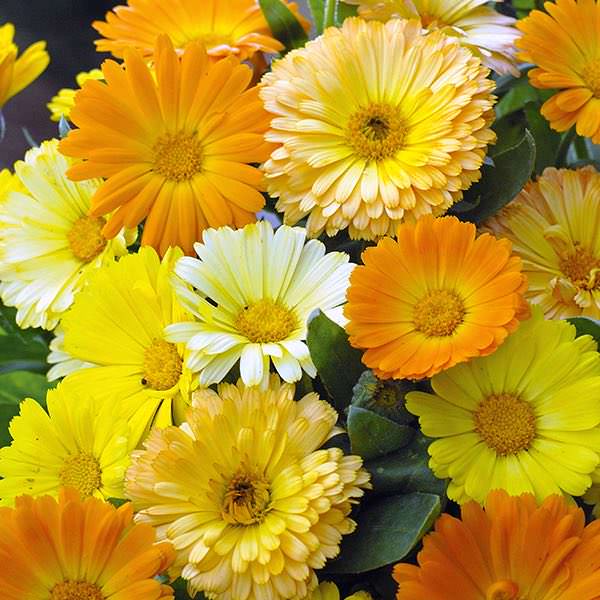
{"type": "Point", "coordinates": [284, 25]}
{"type": "Point", "coordinates": [180, 587]}
{"type": "Point", "coordinates": [328, 13]}
{"type": "Point", "coordinates": [586, 326]}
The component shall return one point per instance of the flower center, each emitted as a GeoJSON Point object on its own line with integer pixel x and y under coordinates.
{"type": "Point", "coordinates": [82, 472]}
{"type": "Point", "coordinates": [265, 322]}
{"type": "Point", "coordinates": [178, 157]}
{"type": "Point", "coordinates": [591, 76]}
{"type": "Point", "coordinates": [506, 424]}
{"type": "Point", "coordinates": [439, 313]}
{"type": "Point", "coordinates": [582, 268]}
{"type": "Point", "coordinates": [76, 590]}
{"type": "Point", "coordinates": [86, 239]}
{"type": "Point", "coordinates": [246, 500]}
{"type": "Point", "coordinates": [430, 21]}
{"type": "Point", "coordinates": [376, 132]}
{"type": "Point", "coordinates": [502, 590]}
{"type": "Point", "coordinates": [162, 365]}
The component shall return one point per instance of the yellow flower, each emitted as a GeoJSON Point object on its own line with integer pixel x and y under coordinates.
{"type": "Point", "coordinates": [63, 102]}
{"type": "Point", "coordinates": [112, 341]}
{"type": "Point", "coordinates": [251, 504]}
{"type": "Point", "coordinates": [378, 124]}
{"type": "Point", "coordinates": [487, 33]}
{"type": "Point", "coordinates": [254, 291]}
{"type": "Point", "coordinates": [17, 73]}
{"type": "Point", "coordinates": [78, 443]}
{"type": "Point", "coordinates": [524, 419]}
{"type": "Point", "coordinates": [9, 183]}
{"type": "Point", "coordinates": [554, 226]}
{"type": "Point", "coordinates": [563, 43]}
{"type": "Point", "coordinates": [48, 243]}
{"type": "Point", "coordinates": [329, 591]}
{"type": "Point", "coordinates": [77, 549]}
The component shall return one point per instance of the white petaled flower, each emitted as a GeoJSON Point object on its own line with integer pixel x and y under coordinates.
{"type": "Point", "coordinates": [254, 290]}
{"type": "Point", "coordinates": [48, 243]}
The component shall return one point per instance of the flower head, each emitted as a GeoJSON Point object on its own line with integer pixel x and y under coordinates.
{"type": "Point", "coordinates": [329, 591]}
{"type": "Point", "coordinates": [554, 226]}
{"type": "Point", "coordinates": [74, 549]}
{"type": "Point", "coordinates": [434, 297]}
{"type": "Point", "coordinates": [173, 148]}
{"type": "Point", "coordinates": [9, 182]}
{"type": "Point", "coordinates": [254, 291]}
{"type": "Point", "coordinates": [524, 419]}
{"type": "Point", "coordinates": [17, 73]}
{"type": "Point", "coordinates": [251, 504]}
{"type": "Point", "coordinates": [408, 138]}
{"type": "Point", "coordinates": [510, 549]}
{"type": "Point", "coordinates": [563, 43]}
{"type": "Point", "coordinates": [63, 102]}
{"type": "Point", "coordinates": [487, 33]}
{"type": "Point", "coordinates": [49, 244]}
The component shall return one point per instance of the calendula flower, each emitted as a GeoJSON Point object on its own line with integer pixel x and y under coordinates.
{"type": "Point", "coordinates": [173, 148]}
{"type": "Point", "coordinates": [78, 443]}
{"type": "Point", "coordinates": [74, 549]}
{"type": "Point", "coordinates": [17, 73]}
{"type": "Point", "coordinates": [250, 502]}
{"type": "Point", "coordinates": [9, 183]}
{"type": "Point", "coordinates": [435, 297]}
{"type": "Point", "coordinates": [409, 136]}
{"type": "Point", "coordinates": [112, 341]}
{"type": "Point", "coordinates": [563, 44]}
{"type": "Point", "coordinates": [49, 244]}
{"type": "Point", "coordinates": [554, 226]}
{"type": "Point", "coordinates": [524, 419]}
{"type": "Point", "coordinates": [254, 290]}
{"type": "Point", "coordinates": [329, 591]}
{"type": "Point", "coordinates": [488, 34]}
{"type": "Point", "coordinates": [510, 549]}
{"type": "Point", "coordinates": [63, 102]}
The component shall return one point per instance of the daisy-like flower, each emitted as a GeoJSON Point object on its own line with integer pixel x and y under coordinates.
{"type": "Point", "coordinates": [563, 44]}
{"type": "Point", "coordinates": [329, 591]}
{"type": "Point", "coordinates": [525, 419]}
{"type": "Point", "coordinates": [78, 443]}
{"type": "Point", "coordinates": [511, 549]}
{"type": "Point", "coordinates": [488, 34]}
{"type": "Point", "coordinates": [17, 73]}
{"type": "Point", "coordinates": [74, 549]}
{"type": "Point", "coordinates": [250, 502]}
{"type": "Point", "coordinates": [49, 244]}
{"type": "Point", "coordinates": [63, 102]}
{"type": "Point", "coordinates": [112, 341]}
{"type": "Point", "coordinates": [9, 183]}
{"type": "Point", "coordinates": [554, 226]}
{"type": "Point", "coordinates": [173, 148]}
{"type": "Point", "coordinates": [435, 297]}
{"type": "Point", "coordinates": [254, 291]}
{"type": "Point", "coordinates": [408, 138]}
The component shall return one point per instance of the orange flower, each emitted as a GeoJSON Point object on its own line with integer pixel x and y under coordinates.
{"type": "Point", "coordinates": [434, 297]}
{"type": "Point", "coordinates": [174, 148]}
{"type": "Point", "coordinates": [74, 549]}
{"type": "Point", "coordinates": [510, 550]}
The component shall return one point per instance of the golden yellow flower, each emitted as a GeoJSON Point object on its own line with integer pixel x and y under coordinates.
{"type": "Point", "coordinates": [329, 591]}
{"type": "Point", "coordinates": [63, 102]}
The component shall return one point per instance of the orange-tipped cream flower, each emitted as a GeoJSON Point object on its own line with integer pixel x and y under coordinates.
{"type": "Point", "coordinates": [563, 44]}
{"type": "Point", "coordinates": [554, 226]}
{"type": "Point", "coordinates": [174, 148]}
{"type": "Point", "coordinates": [510, 550]}
{"type": "Point", "coordinates": [435, 297]}
{"type": "Point", "coordinates": [74, 549]}
{"type": "Point", "coordinates": [17, 73]}
{"type": "Point", "coordinates": [479, 27]}
{"type": "Point", "coordinates": [378, 123]}
{"type": "Point", "coordinates": [250, 502]}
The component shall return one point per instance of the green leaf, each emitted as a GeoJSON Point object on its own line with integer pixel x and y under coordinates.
{"type": "Point", "coordinates": [284, 25]}
{"type": "Point", "coordinates": [342, 12]}
{"type": "Point", "coordinates": [21, 354]}
{"type": "Point", "coordinates": [372, 435]}
{"type": "Point", "coordinates": [338, 364]}
{"type": "Point", "coordinates": [388, 529]}
{"type": "Point", "coordinates": [547, 141]}
{"type": "Point", "coordinates": [317, 8]}
{"type": "Point", "coordinates": [180, 587]}
{"type": "Point", "coordinates": [516, 98]}
{"type": "Point", "coordinates": [586, 326]}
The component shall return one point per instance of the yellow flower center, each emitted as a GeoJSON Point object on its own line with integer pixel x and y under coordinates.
{"type": "Point", "coordinates": [86, 239]}
{"type": "Point", "coordinates": [178, 157]}
{"type": "Point", "coordinates": [430, 21]}
{"type": "Point", "coordinates": [502, 590]}
{"type": "Point", "coordinates": [246, 500]}
{"type": "Point", "coordinates": [582, 268]}
{"type": "Point", "coordinates": [76, 590]}
{"type": "Point", "coordinates": [376, 132]}
{"type": "Point", "coordinates": [82, 472]}
{"type": "Point", "coordinates": [213, 39]}
{"type": "Point", "coordinates": [591, 76]}
{"type": "Point", "coordinates": [265, 322]}
{"type": "Point", "coordinates": [506, 423]}
{"type": "Point", "coordinates": [439, 313]}
{"type": "Point", "coordinates": [162, 365]}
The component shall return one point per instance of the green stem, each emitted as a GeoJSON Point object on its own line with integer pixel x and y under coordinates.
{"type": "Point", "coordinates": [563, 148]}
{"type": "Point", "coordinates": [329, 14]}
